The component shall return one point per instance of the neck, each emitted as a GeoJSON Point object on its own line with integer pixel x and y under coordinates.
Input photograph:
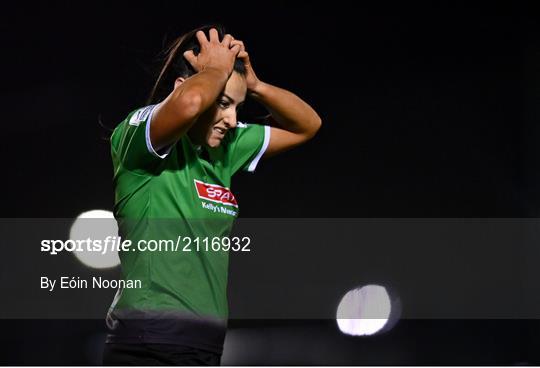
{"type": "Point", "coordinates": [195, 138]}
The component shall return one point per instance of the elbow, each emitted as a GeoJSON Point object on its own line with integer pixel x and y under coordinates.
{"type": "Point", "coordinates": [315, 125]}
{"type": "Point", "coordinates": [191, 105]}
{"type": "Point", "coordinates": [188, 104]}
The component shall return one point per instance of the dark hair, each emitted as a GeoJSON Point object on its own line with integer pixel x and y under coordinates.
{"type": "Point", "coordinates": [177, 66]}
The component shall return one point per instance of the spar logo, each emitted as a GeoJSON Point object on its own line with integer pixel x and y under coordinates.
{"type": "Point", "coordinates": [215, 193]}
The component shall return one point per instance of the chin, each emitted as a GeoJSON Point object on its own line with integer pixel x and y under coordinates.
{"type": "Point", "coordinates": [214, 142]}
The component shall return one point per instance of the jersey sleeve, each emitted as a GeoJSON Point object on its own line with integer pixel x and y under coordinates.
{"type": "Point", "coordinates": [247, 146]}
{"type": "Point", "coordinates": [130, 141]}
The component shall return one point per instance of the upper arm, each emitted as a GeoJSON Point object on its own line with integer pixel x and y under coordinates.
{"type": "Point", "coordinates": [173, 117]}
{"type": "Point", "coordinates": [282, 140]}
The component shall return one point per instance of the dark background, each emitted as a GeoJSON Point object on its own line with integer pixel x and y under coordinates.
{"type": "Point", "coordinates": [429, 110]}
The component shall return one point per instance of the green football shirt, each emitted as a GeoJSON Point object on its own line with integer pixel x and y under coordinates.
{"type": "Point", "coordinates": [183, 191]}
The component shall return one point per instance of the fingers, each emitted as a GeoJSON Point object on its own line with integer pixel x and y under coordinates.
{"type": "Point", "coordinates": [236, 49]}
{"type": "Point", "coordinates": [213, 51]}
{"type": "Point", "coordinates": [238, 42]}
{"type": "Point", "coordinates": [190, 57]}
{"type": "Point", "coordinates": [201, 37]}
{"type": "Point", "coordinates": [214, 36]}
{"type": "Point", "coordinates": [227, 39]}
{"type": "Point", "coordinates": [243, 53]}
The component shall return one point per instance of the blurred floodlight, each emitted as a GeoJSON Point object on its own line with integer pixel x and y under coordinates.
{"type": "Point", "coordinates": [96, 225]}
{"type": "Point", "coordinates": [364, 311]}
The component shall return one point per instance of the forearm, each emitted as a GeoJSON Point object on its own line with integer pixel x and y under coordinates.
{"type": "Point", "coordinates": [202, 89]}
{"type": "Point", "coordinates": [288, 110]}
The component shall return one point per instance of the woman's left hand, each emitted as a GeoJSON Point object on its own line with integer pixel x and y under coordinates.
{"type": "Point", "coordinates": [251, 78]}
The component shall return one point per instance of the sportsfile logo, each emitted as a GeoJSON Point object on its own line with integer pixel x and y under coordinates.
{"type": "Point", "coordinates": [215, 193]}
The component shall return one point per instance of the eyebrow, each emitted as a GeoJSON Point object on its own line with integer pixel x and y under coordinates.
{"type": "Point", "coordinates": [232, 99]}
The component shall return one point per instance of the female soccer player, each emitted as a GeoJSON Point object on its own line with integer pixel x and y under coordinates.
{"type": "Point", "coordinates": [173, 162]}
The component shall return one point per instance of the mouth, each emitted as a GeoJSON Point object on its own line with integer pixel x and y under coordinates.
{"type": "Point", "coordinates": [220, 132]}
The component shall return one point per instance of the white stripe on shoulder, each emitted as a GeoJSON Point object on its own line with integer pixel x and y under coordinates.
{"type": "Point", "coordinates": [239, 124]}
{"type": "Point", "coordinates": [266, 141]}
{"type": "Point", "coordinates": [148, 112]}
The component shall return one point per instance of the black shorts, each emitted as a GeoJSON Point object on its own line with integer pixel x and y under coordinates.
{"type": "Point", "coordinates": [157, 354]}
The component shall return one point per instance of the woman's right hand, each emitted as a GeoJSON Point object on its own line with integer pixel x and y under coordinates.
{"type": "Point", "coordinates": [214, 54]}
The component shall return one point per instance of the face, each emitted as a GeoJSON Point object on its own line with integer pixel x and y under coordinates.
{"type": "Point", "coordinates": [214, 123]}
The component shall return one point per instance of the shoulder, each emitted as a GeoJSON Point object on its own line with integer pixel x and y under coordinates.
{"type": "Point", "coordinates": [140, 115]}
{"type": "Point", "coordinates": [133, 119]}
{"type": "Point", "coordinates": [242, 129]}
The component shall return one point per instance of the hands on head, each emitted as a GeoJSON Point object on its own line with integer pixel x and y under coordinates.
{"type": "Point", "coordinates": [213, 52]}
{"type": "Point", "coordinates": [221, 55]}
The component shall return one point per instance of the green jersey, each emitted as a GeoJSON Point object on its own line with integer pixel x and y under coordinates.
{"type": "Point", "coordinates": [179, 196]}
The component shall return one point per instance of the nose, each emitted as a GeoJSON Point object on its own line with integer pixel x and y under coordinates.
{"type": "Point", "coordinates": [230, 120]}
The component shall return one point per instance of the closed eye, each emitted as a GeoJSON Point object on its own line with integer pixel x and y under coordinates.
{"type": "Point", "coordinates": [223, 104]}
